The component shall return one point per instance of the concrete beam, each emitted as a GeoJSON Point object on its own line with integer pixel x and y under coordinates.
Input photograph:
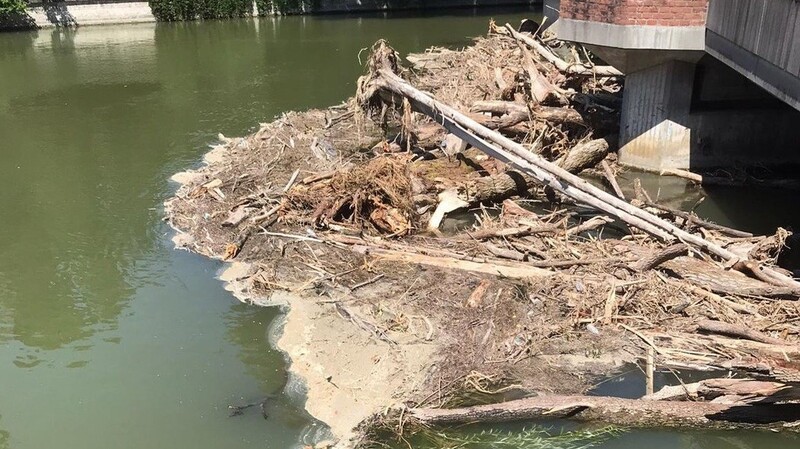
{"type": "Point", "coordinates": [632, 37]}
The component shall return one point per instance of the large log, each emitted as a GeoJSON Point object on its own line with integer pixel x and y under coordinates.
{"type": "Point", "coordinates": [585, 155]}
{"type": "Point", "coordinates": [384, 82]}
{"type": "Point", "coordinates": [496, 187]}
{"type": "Point", "coordinates": [623, 412]}
{"type": "Point", "coordinates": [520, 111]}
{"type": "Point", "coordinates": [510, 183]}
{"type": "Point", "coordinates": [741, 390]}
{"type": "Point", "coordinates": [731, 330]}
{"type": "Point", "coordinates": [704, 274]}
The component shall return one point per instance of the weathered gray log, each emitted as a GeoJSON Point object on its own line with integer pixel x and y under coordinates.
{"type": "Point", "coordinates": [546, 113]}
{"type": "Point", "coordinates": [564, 66]}
{"type": "Point", "coordinates": [619, 411]}
{"type": "Point", "coordinates": [743, 390]}
{"type": "Point", "coordinates": [589, 225]}
{"type": "Point", "coordinates": [729, 282]}
{"type": "Point", "coordinates": [500, 107]}
{"type": "Point", "coordinates": [519, 231]}
{"type": "Point", "coordinates": [674, 393]}
{"type": "Point", "coordinates": [691, 218]}
{"type": "Point", "coordinates": [731, 330]}
{"type": "Point", "coordinates": [656, 259]}
{"type": "Point", "coordinates": [385, 82]}
{"type": "Point", "coordinates": [710, 277]}
{"type": "Point", "coordinates": [540, 87]}
{"type": "Point", "coordinates": [504, 185]}
{"type": "Point", "coordinates": [496, 187]}
{"type": "Point", "coordinates": [746, 390]}
{"type": "Point", "coordinates": [504, 123]}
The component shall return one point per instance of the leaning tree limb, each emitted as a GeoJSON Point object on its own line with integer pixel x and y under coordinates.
{"type": "Point", "coordinates": [384, 83]}
{"type": "Point", "coordinates": [564, 66]}
{"type": "Point", "coordinates": [721, 328]}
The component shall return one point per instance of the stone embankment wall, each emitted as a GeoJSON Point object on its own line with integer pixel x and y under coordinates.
{"type": "Point", "coordinates": [332, 6]}
{"type": "Point", "coordinates": [83, 12]}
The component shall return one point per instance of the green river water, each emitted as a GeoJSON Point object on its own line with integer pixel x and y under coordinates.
{"type": "Point", "coordinates": [109, 338]}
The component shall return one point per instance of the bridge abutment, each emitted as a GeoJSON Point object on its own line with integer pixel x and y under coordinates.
{"type": "Point", "coordinates": [701, 115]}
{"type": "Point", "coordinates": [683, 107]}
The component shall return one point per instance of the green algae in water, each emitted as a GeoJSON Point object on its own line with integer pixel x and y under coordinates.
{"type": "Point", "coordinates": [528, 437]}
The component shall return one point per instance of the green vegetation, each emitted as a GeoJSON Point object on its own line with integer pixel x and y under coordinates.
{"type": "Point", "coordinates": [174, 10]}
{"type": "Point", "coordinates": [527, 438]}
{"type": "Point", "coordinates": [12, 6]}
{"type": "Point", "coordinates": [269, 7]}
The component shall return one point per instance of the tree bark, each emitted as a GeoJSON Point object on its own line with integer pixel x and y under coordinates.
{"type": "Point", "coordinates": [662, 256]}
{"type": "Point", "coordinates": [547, 113]}
{"type": "Point", "coordinates": [585, 155]}
{"type": "Point", "coordinates": [731, 330]}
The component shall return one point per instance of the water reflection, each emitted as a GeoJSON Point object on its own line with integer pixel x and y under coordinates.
{"type": "Point", "coordinates": [247, 329]}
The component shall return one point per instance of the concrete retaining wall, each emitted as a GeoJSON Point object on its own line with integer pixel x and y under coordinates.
{"type": "Point", "coordinates": [66, 14]}
{"type": "Point", "coordinates": [61, 14]}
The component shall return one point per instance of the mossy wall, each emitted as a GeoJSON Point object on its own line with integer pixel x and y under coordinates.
{"type": "Point", "coordinates": [173, 10]}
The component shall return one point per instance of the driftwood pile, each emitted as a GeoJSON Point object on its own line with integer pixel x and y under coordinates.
{"type": "Point", "coordinates": [496, 135]}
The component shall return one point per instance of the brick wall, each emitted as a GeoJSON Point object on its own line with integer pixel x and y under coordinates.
{"type": "Point", "coordinates": [638, 12]}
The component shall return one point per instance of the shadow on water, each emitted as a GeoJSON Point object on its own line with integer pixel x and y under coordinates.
{"type": "Point", "coordinates": [630, 381]}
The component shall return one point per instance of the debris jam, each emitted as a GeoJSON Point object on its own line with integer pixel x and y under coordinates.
{"type": "Point", "coordinates": [460, 220]}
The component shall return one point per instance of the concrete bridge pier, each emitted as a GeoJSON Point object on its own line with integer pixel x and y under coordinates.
{"type": "Point", "coordinates": [654, 129]}
{"type": "Point", "coordinates": [682, 107]}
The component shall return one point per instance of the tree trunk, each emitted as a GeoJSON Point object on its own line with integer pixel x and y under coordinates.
{"type": "Point", "coordinates": [585, 155]}
{"type": "Point", "coordinates": [623, 412]}
{"type": "Point", "coordinates": [547, 113]}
